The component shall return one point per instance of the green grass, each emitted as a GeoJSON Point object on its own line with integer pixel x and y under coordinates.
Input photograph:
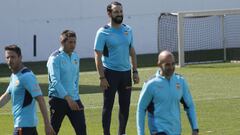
{"type": "Point", "coordinates": [215, 89]}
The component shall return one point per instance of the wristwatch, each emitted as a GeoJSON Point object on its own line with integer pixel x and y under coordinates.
{"type": "Point", "coordinates": [134, 71]}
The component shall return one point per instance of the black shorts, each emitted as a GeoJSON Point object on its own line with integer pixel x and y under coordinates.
{"type": "Point", "coordinates": [59, 109]}
{"type": "Point", "coordinates": [25, 131]}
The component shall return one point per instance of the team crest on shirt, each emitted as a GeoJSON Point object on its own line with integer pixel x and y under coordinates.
{"type": "Point", "coordinates": [126, 32]}
{"type": "Point", "coordinates": [178, 86]}
{"type": "Point", "coordinates": [16, 82]}
{"type": "Point", "coordinates": [63, 62]}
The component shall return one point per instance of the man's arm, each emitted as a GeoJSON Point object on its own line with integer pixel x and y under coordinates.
{"type": "Point", "coordinates": [30, 83]}
{"type": "Point", "coordinates": [134, 65]}
{"type": "Point", "coordinates": [99, 66]}
{"type": "Point", "coordinates": [4, 99]}
{"type": "Point", "coordinates": [42, 105]}
{"type": "Point", "coordinates": [144, 100]}
{"type": "Point", "coordinates": [189, 107]}
{"type": "Point", "coordinates": [98, 62]}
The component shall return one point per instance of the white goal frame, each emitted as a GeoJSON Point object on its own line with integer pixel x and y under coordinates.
{"type": "Point", "coordinates": [180, 27]}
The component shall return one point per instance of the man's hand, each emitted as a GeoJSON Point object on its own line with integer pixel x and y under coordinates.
{"type": "Point", "coordinates": [104, 83]}
{"type": "Point", "coordinates": [49, 130]}
{"type": "Point", "coordinates": [4, 99]}
{"type": "Point", "coordinates": [42, 105]}
{"type": "Point", "coordinates": [72, 104]}
{"type": "Point", "coordinates": [135, 78]}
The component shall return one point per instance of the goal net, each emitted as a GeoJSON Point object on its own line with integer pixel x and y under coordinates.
{"type": "Point", "coordinates": [200, 36]}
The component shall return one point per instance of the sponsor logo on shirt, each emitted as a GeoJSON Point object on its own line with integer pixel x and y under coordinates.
{"type": "Point", "coordinates": [178, 86]}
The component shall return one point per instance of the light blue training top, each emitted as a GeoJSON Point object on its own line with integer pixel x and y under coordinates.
{"type": "Point", "coordinates": [162, 97]}
{"type": "Point", "coordinates": [23, 88]}
{"type": "Point", "coordinates": [63, 75]}
{"type": "Point", "coordinates": [115, 44]}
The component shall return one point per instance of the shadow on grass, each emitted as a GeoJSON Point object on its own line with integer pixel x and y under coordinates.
{"type": "Point", "coordinates": [83, 89]}
{"type": "Point", "coordinates": [88, 89]}
{"type": "Point", "coordinates": [86, 64]}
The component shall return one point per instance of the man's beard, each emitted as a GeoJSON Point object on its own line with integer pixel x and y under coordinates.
{"type": "Point", "coordinates": [168, 72]}
{"type": "Point", "coordinates": [117, 19]}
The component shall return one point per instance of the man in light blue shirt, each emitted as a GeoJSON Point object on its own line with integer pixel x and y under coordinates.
{"type": "Point", "coordinates": [161, 97]}
{"type": "Point", "coordinates": [113, 49]}
{"type": "Point", "coordinates": [24, 91]}
{"type": "Point", "coordinates": [63, 73]}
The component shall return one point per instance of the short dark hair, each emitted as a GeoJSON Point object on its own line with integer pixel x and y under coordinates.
{"type": "Point", "coordinates": [14, 48]}
{"type": "Point", "coordinates": [109, 6]}
{"type": "Point", "coordinates": [67, 34]}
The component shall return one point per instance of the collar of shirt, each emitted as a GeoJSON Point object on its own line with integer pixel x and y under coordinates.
{"type": "Point", "coordinates": [162, 77]}
{"type": "Point", "coordinates": [62, 51]}
{"type": "Point", "coordinates": [20, 70]}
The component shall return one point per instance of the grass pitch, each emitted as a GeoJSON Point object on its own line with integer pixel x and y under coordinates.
{"type": "Point", "coordinates": [215, 89]}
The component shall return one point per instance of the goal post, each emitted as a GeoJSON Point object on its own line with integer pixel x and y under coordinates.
{"type": "Point", "coordinates": [191, 31]}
